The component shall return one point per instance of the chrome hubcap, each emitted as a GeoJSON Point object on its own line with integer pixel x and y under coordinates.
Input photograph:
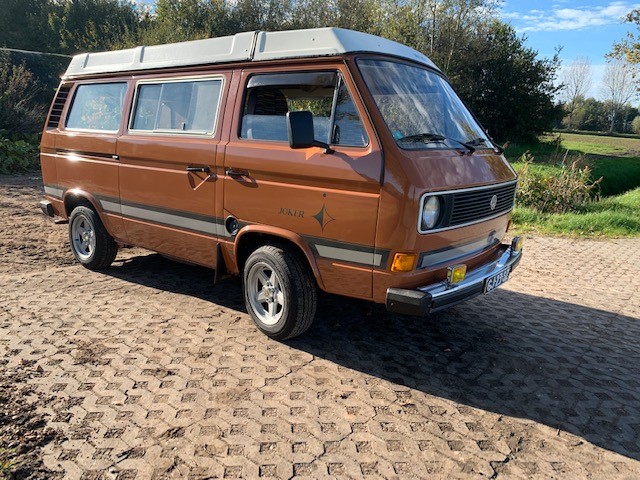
{"type": "Point", "coordinates": [264, 289]}
{"type": "Point", "coordinates": [83, 237]}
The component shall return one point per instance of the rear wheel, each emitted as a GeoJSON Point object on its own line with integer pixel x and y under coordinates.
{"type": "Point", "coordinates": [279, 292]}
{"type": "Point", "coordinates": [91, 244]}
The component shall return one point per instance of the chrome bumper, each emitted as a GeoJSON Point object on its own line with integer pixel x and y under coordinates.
{"type": "Point", "coordinates": [431, 298]}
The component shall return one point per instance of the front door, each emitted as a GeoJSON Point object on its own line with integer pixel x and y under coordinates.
{"type": "Point", "coordinates": [167, 166]}
{"type": "Point", "coordinates": [329, 199]}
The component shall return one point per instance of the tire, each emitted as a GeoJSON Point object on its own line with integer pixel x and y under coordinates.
{"type": "Point", "coordinates": [90, 242]}
{"type": "Point", "coordinates": [279, 292]}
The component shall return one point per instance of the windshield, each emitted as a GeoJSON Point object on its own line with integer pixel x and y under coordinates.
{"type": "Point", "coordinates": [420, 107]}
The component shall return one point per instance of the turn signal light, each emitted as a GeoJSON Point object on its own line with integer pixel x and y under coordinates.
{"type": "Point", "coordinates": [456, 273]}
{"type": "Point", "coordinates": [403, 262]}
{"type": "Point", "coordinates": [516, 244]}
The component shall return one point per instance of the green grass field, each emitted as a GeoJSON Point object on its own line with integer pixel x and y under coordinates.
{"type": "Point", "coordinates": [615, 159]}
{"type": "Point", "coordinates": [617, 216]}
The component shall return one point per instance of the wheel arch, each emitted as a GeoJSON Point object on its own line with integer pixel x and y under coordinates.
{"type": "Point", "coordinates": [253, 236]}
{"type": "Point", "coordinates": [75, 197]}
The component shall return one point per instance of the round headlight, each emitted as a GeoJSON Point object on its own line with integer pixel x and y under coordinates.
{"type": "Point", "coordinates": [430, 213]}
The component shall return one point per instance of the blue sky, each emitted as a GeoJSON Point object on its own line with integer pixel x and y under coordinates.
{"type": "Point", "coordinates": [587, 28]}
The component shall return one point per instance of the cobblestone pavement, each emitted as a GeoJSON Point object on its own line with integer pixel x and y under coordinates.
{"type": "Point", "coordinates": [150, 371]}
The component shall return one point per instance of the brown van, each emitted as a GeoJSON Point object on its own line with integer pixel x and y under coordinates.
{"type": "Point", "coordinates": [306, 159]}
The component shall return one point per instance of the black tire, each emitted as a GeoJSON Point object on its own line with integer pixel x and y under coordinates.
{"type": "Point", "coordinates": [298, 287]}
{"type": "Point", "coordinates": [103, 250]}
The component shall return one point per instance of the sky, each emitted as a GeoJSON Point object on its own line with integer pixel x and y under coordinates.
{"type": "Point", "coordinates": [585, 28]}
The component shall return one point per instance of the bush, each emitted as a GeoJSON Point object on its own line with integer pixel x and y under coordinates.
{"type": "Point", "coordinates": [20, 113]}
{"type": "Point", "coordinates": [569, 190]}
{"type": "Point", "coordinates": [635, 125]}
{"type": "Point", "coordinates": [17, 156]}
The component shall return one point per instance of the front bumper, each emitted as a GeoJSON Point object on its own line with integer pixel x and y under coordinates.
{"type": "Point", "coordinates": [431, 298]}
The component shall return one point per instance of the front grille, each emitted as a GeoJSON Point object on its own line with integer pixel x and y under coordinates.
{"type": "Point", "coordinates": [474, 205]}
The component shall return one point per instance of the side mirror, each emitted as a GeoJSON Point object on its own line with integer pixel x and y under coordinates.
{"type": "Point", "coordinates": [300, 131]}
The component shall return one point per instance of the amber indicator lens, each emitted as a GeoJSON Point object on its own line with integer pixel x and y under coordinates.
{"type": "Point", "coordinates": [403, 262]}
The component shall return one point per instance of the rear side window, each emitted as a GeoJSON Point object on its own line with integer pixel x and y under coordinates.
{"type": "Point", "coordinates": [269, 97]}
{"type": "Point", "coordinates": [97, 106]}
{"type": "Point", "coordinates": [177, 106]}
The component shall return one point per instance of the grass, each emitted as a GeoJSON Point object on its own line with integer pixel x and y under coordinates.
{"type": "Point", "coordinates": [615, 159]}
{"type": "Point", "coordinates": [617, 216]}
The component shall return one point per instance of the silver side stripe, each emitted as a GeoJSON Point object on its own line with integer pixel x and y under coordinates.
{"type": "Point", "coordinates": [349, 255]}
{"type": "Point", "coordinates": [170, 219]}
{"type": "Point", "coordinates": [112, 207]}
{"type": "Point", "coordinates": [53, 191]}
{"type": "Point", "coordinates": [214, 227]}
{"type": "Point", "coordinates": [173, 220]}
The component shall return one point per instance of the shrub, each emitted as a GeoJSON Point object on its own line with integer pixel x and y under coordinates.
{"type": "Point", "coordinates": [569, 190]}
{"type": "Point", "coordinates": [17, 156]}
{"type": "Point", "coordinates": [20, 113]}
{"type": "Point", "coordinates": [635, 125]}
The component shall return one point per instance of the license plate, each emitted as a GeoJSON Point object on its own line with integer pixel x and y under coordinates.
{"type": "Point", "coordinates": [494, 281]}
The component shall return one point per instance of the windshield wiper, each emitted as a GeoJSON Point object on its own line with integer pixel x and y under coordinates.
{"type": "Point", "coordinates": [478, 141]}
{"type": "Point", "coordinates": [434, 138]}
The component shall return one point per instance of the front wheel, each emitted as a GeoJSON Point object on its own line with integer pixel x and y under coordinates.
{"type": "Point", "coordinates": [91, 244]}
{"type": "Point", "coordinates": [279, 292]}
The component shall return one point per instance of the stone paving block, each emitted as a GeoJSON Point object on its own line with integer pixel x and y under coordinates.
{"type": "Point", "coordinates": [155, 373]}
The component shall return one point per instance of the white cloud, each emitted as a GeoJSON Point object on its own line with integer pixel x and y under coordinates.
{"type": "Point", "coordinates": [563, 18]}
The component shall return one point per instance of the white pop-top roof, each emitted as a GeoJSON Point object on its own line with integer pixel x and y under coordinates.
{"type": "Point", "coordinates": [246, 46]}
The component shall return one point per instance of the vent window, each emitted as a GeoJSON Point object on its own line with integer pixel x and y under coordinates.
{"type": "Point", "coordinates": [58, 105]}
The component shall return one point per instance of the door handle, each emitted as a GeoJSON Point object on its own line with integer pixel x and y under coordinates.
{"type": "Point", "coordinates": [198, 169]}
{"type": "Point", "coordinates": [233, 173]}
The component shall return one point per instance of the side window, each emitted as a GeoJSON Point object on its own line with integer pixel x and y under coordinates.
{"type": "Point", "coordinates": [97, 106]}
{"type": "Point", "coordinates": [269, 97]}
{"type": "Point", "coordinates": [177, 106]}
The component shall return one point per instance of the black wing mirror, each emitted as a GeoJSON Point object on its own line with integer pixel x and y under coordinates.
{"type": "Point", "coordinates": [300, 131]}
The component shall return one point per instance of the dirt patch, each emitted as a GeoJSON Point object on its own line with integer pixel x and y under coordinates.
{"type": "Point", "coordinates": [91, 353]}
{"type": "Point", "coordinates": [23, 430]}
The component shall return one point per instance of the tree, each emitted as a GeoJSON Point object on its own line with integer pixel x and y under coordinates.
{"type": "Point", "coordinates": [507, 87]}
{"type": "Point", "coordinates": [94, 25]}
{"type": "Point", "coordinates": [576, 81]}
{"type": "Point", "coordinates": [629, 48]}
{"type": "Point", "coordinates": [23, 25]}
{"type": "Point", "coordinates": [618, 86]}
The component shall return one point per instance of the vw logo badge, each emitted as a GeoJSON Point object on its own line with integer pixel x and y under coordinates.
{"type": "Point", "coordinates": [493, 202]}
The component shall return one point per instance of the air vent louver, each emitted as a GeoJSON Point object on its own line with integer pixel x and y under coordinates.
{"type": "Point", "coordinates": [58, 105]}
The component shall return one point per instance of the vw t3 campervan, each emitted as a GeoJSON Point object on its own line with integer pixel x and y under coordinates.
{"type": "Point", "coordinates": [300, 160]}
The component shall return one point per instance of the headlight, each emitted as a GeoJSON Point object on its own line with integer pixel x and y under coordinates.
{"type": "Point", "coordinates": [430, 213]}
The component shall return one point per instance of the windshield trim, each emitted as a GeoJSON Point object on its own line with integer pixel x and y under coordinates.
{"type": "Point", "coordinates": [486, 145]}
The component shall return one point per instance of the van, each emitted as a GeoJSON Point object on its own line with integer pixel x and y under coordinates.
{"type": "Point", "coordinates": [300, 160]}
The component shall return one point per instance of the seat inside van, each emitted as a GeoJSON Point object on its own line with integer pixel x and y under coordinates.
{"type": "Point", "coordinates": [265, 118]}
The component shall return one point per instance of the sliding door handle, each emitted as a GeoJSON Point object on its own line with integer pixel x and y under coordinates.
{"type": "Point", "coordinates": [233, 173]}
{"type": "Point", "coordinates": [198, 169]}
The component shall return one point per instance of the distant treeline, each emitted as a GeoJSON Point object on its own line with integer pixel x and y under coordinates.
{"type": "Point", "coordinates": [495, 73]}
{"type": "Point", "coordinates": [594, 115]}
